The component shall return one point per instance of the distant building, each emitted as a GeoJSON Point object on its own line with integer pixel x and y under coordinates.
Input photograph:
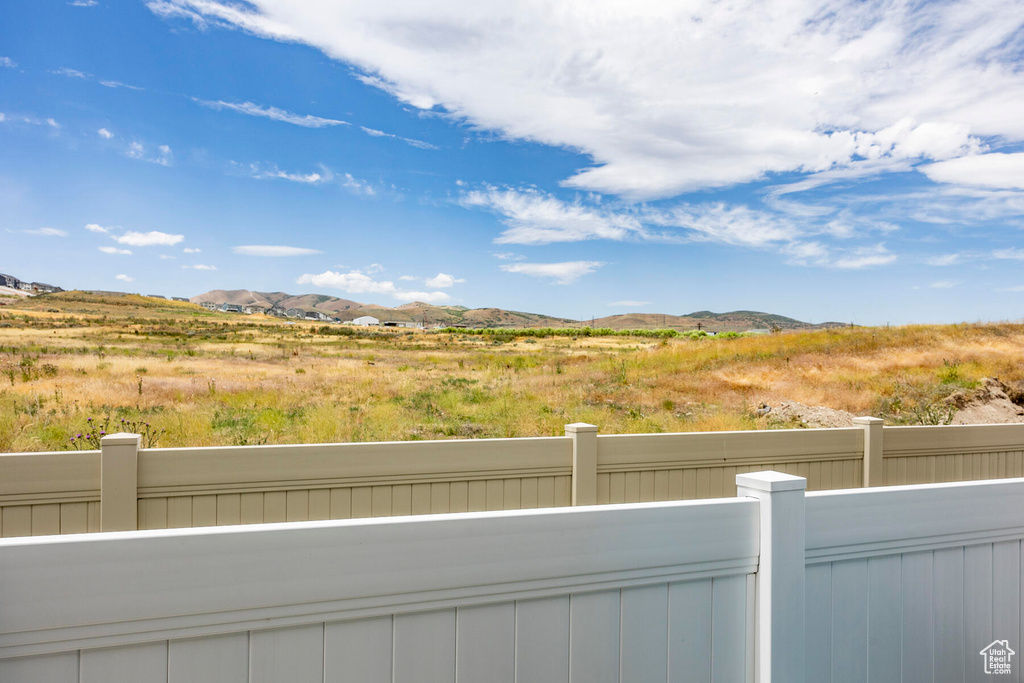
{"type": "Point", "coordinates": [366, 321]}
{"type": "Point", "coordinates": [231, 308]}
{"type": "Point", "coordinates": [156, 296]}
{"type": "Point", "coordinates": [9, 281]}
{"type": "Point", "coordinates": [295, 313]}
{"type": "Point", "coordinates": [209, 305]}
{"type": "Point", "coordinates": [179, 298]}
{"type": "Point", "coordinates": [398, 323]}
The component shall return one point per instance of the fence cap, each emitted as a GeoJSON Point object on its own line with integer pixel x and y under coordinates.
{"type": "Point", "coordinates": [771, 481]}
{"type": "Point", "coordinates": [121, 439]}
{"type": "Point", "coordinates": [578, 427]}
{"type": "Point", "coordinates": [868, 420]}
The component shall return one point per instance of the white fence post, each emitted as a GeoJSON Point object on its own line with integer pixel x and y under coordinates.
{"type": "Point", "coordinates": [779, 623]}
{"type": "Point", "coordinates": [584, 462]}
{"type": "Point", "coordinates": [119, 482]}
{"type": "Point", "coordinates": [874, 467]}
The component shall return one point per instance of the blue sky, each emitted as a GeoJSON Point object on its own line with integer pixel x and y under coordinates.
{"type": "Point", "coordinates": [828, 161]}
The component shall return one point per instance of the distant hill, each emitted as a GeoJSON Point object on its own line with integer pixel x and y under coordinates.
{"type": "Point", "coordinates": [734, 321]}
{"type": "Point", "coordinates": [416, 311]}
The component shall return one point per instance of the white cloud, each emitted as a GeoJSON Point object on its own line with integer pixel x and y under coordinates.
{"type": "Point", "coordinates": [119, 84]}
{"type": "Point", "coordinates": [71, 73]}
{"type": "Point", "coordinates": [357, 186]}
{"type": "Point", "coordinates": [630, 304]}
{"type": "Point", "coordinates": [358, 282]}
{"type": "Point", "coordinates": [47, 232]}
{"type": "Point", "coordinates": [52, 123]}
{"type": "Point", "coordinates": [200, 266]}
{"type": "Point", "coordinates": [532, 217]}
{"type": "Point", "coordinates": [1009, 253]}
{"type": "Point", "coordinates": [442, 281]}
{"type": "Point", "coordinates": [508, 256]}
{"type": "Point", "coordinates": [273, 250]}
{"type": "Point", "coordinates": [124, 278]}
{"type": "Point", "coordinates": [93, 227]}
{"type": "Point", "coordinates": [273, 113]}
{"type": "Point", "coordinates": [191, 250]}
{"type": "Point", "coordinates": [114, 250]}
{"type": "Point", "coordinates": [148, 239]}
{"type": "Point", "coordinates": [8, 62]}
{"type": "Point", "coordinates": [167, 257]}
{"type": "Point", "coordinates": [943, 260]}
{"type": "Point", "coordinates": [408, 278]}
{"type": "Point", "coordinates": [562, 273]}
{"type": "Point", "coordinates": [374, 268]}
{"type": "Point", "coordinates": [667, 98]}
{"type": "Point", "coordinates": [83, 3]}
{"type": "Point", "coordinates": [137, 150]}
{"type": "Point", "coordinates": [865, 257]}
{"type": "Point", "coordinates": [104, 133]}
{"type": "Point", "coordinates": [272, 172]}
{"type": "Point", "coordinates": [994, 170]}
{"type": "Point", "coordinates": [381, 134]}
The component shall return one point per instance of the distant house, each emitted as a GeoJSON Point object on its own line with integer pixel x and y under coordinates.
{"type": "Point", "coordinates": [156, 296]}
{"type": "Point", "coordinates": [231, 308]}
{"type": "Point", "coordinates": [366, 321]}
{"type": "Point", "coordinates": [295, 313]}
{"type": "Point", "coordinates": [179, 298]}
{"type": "Point", "coordinates": [317, 315]}
{"type": "Point", "coordinates": [9, 281]}
{"type": "Point", "coordinates": [399, 323]}
{"type": "Point", "coordinates": [209, 305]}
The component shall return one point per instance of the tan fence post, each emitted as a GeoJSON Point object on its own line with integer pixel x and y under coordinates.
{"type": "Point", "coordinates": [874, 467]}
{"type": "Point", "coordinates": [119, 482]}
{"type": "Point", "coordinates": [584, 462]}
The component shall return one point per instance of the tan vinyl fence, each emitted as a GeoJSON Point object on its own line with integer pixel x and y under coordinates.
{"type": "Point", "coordinates": [51, 493]}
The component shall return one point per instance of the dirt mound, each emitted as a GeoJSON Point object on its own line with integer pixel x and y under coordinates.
{"type": "Point", "coordinates": [789, 413]}
{"type": "Point", "coordinates": [992, 403]}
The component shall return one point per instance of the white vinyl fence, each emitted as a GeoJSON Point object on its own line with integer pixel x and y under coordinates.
{"type": "Point", "coordinates": [904, 584]}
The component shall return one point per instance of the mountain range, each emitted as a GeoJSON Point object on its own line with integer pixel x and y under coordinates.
{"type": "Point", "coordinates": [430, 315]}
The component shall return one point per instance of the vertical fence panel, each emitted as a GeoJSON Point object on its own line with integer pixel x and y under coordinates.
{"type": "Point", "coordinates": [644, 639]}
{"type": "Point", "coordinates": [250, 508]}
{"type": "Point", "coordinates": [293, 654]}
{"type": "Point", "coordinates": [542, 640]}
{"type": "Point", "coordinates": [212, 659]}
{"type": "Point", "coordinates": [125, 664]}
{"type": "Point", "coordinates": [359, 650]}
{"type": "Point", "coordinates": [819, 622]}
{"type": "Point", "coordinates": [918, 619]}
{"type": "Point", "coordinates": [948, 596]}
{"type": "Point", "coordinates": [594, 637]}
{"type": "Point", "coordinates": [425, 647]}
{"type": "Point", "coordinates": [850, 621]}
{"type": "Point", "coordinates": [885, 644]}
{"type": "Point", "coordinates": [74, 518]}
{"type": "Point", "coordinates": [977, 602]}
{"type": "Point", "coordinates": [485, 643]}
{"type": "Point", "coordinates": [689, 613]}
{"type": "Point", "coordinates": [58, 668]}
{"type": "Point", "coordinates": [729, 629]}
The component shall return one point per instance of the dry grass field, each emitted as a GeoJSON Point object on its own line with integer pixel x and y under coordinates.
{"type": "Point", "coordinates": [199, 378]}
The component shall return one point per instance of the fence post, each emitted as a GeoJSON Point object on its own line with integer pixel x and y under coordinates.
{"type": "Point", "coordinates": [874, 468]}
{"type": "Point", "coordinates": [119, 482]}
{"type": "Point", "coordinates": [779, 622]}
{"type": "Point", "coordinates": [584, 462]}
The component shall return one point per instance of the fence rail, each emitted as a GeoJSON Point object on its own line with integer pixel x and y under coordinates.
{"type": "Point", "coordinates": [125, 487]}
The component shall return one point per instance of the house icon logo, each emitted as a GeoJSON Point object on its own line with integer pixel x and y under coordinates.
{"type": "Point", "coordinates": [997, 657]}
